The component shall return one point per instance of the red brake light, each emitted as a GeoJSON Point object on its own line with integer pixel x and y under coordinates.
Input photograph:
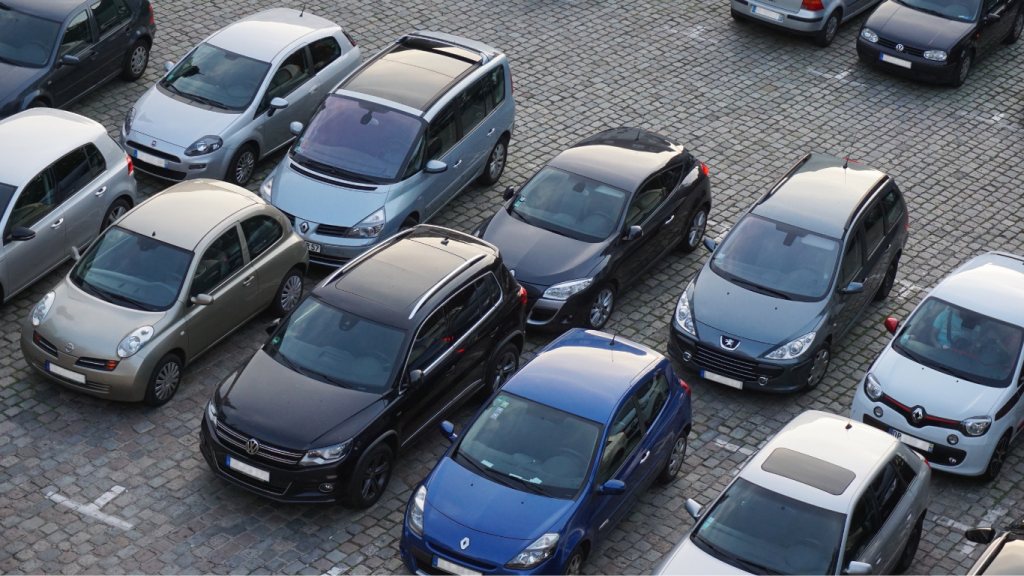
{"type": "Point", "coordinates": [704, 168]}
{"type": "Point", "coordinates": [522, 296]}
{"type": "Point", "coordinates": [684, 385]}
{"type": "Point", "coordinates": [349, 36]}
{"type": "Point", "coordinates": [812, 5]}
{"type": "Point", "coordinates": [131, 166]}
{"type": "Point", "coordinates": [151, 19]}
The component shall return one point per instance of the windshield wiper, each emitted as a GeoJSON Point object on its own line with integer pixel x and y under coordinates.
{"type": "Point", "coordinates": [929, 362]}
{"type": "Point", "coordinates": [730, 556]}
{"type": "Point", "coordinates": [553, 231]}
{"type": "Point", "coordinates": [782, 295]}
{"type": "Point", "coordinates": [328, 169]}
{"type": "Point", "coordinates": [205, 100]}
{"type": "Point", "coordinates": [316, 373]}
{"type": "Point", "coordinates": [93, 290]}
{"type": "Point", "coordinates": [530, 485]}
{"type": "Point", "coordinates": [512, 210]}
{"type": "Point", "coordinates": [108, 296]}
{"type": "Point", "coordinates": [128, 300]}
{"type": "Point", "coordinates": [487, 472]}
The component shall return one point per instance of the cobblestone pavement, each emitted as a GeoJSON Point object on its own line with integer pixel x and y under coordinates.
{"type": "Point", "coordinates": [747, 100]}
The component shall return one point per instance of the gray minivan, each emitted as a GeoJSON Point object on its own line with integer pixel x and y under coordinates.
{"type": "Point", "coordinates": [394, 143]}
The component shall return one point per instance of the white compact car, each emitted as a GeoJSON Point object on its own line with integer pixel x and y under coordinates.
{"type": "Point", "coordinates": [949, 383]}
{"type": "Point", "coordinates": [825, 496]}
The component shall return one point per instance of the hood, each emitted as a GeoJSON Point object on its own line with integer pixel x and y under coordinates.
{"type": "Point", "coordinates": [13, 80]}
{"type": "Point", "coordinates": [489, 507]}
{"type": "Point", "coordinates": [687, 558]}
{"type": "Point", "coordinates": [903, 24]}
{"type": "Point", "coordinates": [177, 122]}
{"type": "Point", "coordinates": [744, 313]}
{"type": "Point", "coordinates": [538, 256]}
{"type": "Point", "coordinates": [285, 408]}
{"type": "Point", "coordinates": [317, 201]}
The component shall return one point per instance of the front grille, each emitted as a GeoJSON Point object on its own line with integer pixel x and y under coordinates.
{"type": "Point", "coordinates": [44, 344]}
{"type": "Point", "coordinates": [158, 171]}
{"type": "Point", "coordinates": [328, 230]}
{"type": "Point", "coordinates": [425, 562]}
{"type": "Point", "coordinates": [97, 364]}
{"type": "Point", "coordinates": [267, 453]}
{"type": "Point", "coordinates": [940, 453]}
{"type": "Point", "coordinates": [906, 49]}
{"type": "Point", "coordinates": [928, 420]}
{"type": "Point", "coordinates": [93, 386]}
{"type": "Point", "coordinates": [154, 152]}
{"type": "Point", "coordinates": [725, 364]}
{"type": "Point", "coordinates": [328, 260]}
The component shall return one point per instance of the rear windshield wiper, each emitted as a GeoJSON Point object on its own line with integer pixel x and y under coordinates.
{"type": "Point", "coordinates": [782, 295]}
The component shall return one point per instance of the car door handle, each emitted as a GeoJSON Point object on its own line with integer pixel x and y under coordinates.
{"type": "Point", "coordinates": [457, 164]}
{"type": "Point", "coordinates": [101, 191]}
{"type": "Point", "coordinates": [646, 454]}
{"type": "Point", "coordinates": [491, 131]}
{"type": "Point", "coordinates": [313, 89]}
{"type": "Point", "coordinates": [248, 280]}
{"type": "Point", "coordinates": [887, 246]}
{"type": "Point", "coordinates": [57, 224]}
{"type": "Point", "coordinates": [670, 219]}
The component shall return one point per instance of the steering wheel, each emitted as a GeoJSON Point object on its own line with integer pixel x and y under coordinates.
{"type": "Point", "coordinates": [571, 453]}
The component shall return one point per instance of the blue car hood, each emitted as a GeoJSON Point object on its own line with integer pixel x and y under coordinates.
{"type": "Point", "coordinates": [491, 508]}
{"type": "Point", "coordinates": [321, 202]}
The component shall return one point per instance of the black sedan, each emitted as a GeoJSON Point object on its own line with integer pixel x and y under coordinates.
{"type": "Point", "coordinates": [937, 40]}
{"type": "Point", "coordinates": [54, 52]}
{"type": "Point", "coordinates": [595, 218]}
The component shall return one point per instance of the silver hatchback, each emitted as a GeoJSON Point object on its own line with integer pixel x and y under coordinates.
{"type": "Point", "coordinates": [819, 19]}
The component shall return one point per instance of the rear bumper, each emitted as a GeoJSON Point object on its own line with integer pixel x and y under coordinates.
{"type": "Point", "coordinates": [920, 68]}
{"type": "Point", "coordinates": [803, 22]}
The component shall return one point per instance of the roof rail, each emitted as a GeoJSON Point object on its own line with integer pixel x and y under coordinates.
{"type": "Point", "coordinates": [351, 263]}
{"type": "Point", "coordinates": [783, 180]}
{"type": "Point", "coordinates": [885, 179]}
{"type": "Point", "coordinates": [485, 57]}
{"type": "Point", "coordinates": [426, 296]}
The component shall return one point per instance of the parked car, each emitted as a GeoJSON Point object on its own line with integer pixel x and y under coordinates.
{"type": "Point", "coordinates": [400, 138]}
{"type": "Point", "coordinates": [547, 468]}
{"type": "Point", "coordinates": [595, 218]}
{"type": "Point", "coordinates": [229, 102]}
{"type": "Point", "coordinates": [819, 19]}
{"type": "Point", "coordinates": [825, 496]}
{"type": "Point", "coordinates": [379, 352]}
{"type": "Point", "coordinates": [1005, 552]}
{"type": "Point", "coordinates": [55, 52]}
{"type": "Point", "coordinates": [937, 40]}
{"type": "Point", "coordinates": [949, 382]}
{"type": "Point", "coordinates": [160, 287]}
{"type": "Point", "coordinates": [62, 181]}
{"type": "Point", "coordinates": [792, 277]}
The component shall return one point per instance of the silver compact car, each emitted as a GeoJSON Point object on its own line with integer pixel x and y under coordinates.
{"type": "Point", "coordinates": [160, 287]}
{"type": "Point", "coordinates": [230, 100]}
{"type": "Point", "coordinates": [819, 19]}
{"type": "Point", "coordinates": [397, 140]}
{"type": "Point", "coordinates": [62, 181]}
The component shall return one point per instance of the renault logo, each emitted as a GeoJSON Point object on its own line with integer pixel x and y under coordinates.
{"type": "Point", "coordinates": [252, 446]}
{"type": "Point", "coordinates": [464, 544]}
{"type": "Point", "coordinates": [729, 343]}
{"type": "Point", "coordinates": [900, 47]}
{"type": "Point", "coordinates": [69, 348]}
{"type": "Point", "coordinates": [917, 414]}
{"type": "Point", "coordinates": [304, 227]}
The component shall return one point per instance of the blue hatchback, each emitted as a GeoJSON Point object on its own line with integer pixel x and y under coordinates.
{"type": "Point", "coordinates": [552, 462]}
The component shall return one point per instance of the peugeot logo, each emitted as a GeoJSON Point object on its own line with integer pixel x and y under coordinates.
{"type": "Point", "coordinates": [464, 544]}
{"type": "Point", "coordinates": [69, 348]}
{"type": "Point", "coordinates": [917, 414]}
{"type": "Point", "coordinates": [154, 142]}
{"type": "Point", "coordinates": [252, 446]}
{"type": "Point", "coordinates": [729, 343]}
{"type": "Point", "coordinates": [513, 273]}
{"type": "Point", "coordinates": [900, 47]}
{"type": "Point", "coordinates": [304, 227]}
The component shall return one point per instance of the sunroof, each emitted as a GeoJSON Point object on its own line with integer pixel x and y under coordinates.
{"type": "Point", "coordinates": [413, 76]}
{"type": "Point", "coordinates": [808, 470]}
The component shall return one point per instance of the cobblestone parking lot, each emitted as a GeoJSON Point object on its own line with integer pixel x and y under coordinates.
{"type": "Point", "coordinates": [748, 101]}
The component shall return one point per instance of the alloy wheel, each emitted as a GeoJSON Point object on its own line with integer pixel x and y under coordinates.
{"type": "Point", "coordinates": [138, 60]}
{"type": "Point", "coordinates": [965, 68]}
{"type": "Point", "coordinates": [602, 308]}
{"type": "Point", "coordinates": [575, 565]}
{"type": "Point", "coordinates": [818, 368]}
{"type": "Point", "coordinates": [830, 28]}
{"type": "Point", "coordinates": [995, 464]}
{"type": "Point", "coordinates": [167, 380]}
{"type": "Point", "coordinates": [1018, 26]}
{"type": "Point", "coordinates": [697, 228]}
{"type": "Point", "coordinates": [244, 168]}
{"type": "Point", "coordinates": [678, 454]}
{"type": "Point", "coordinates": [375, 477]}
{"type": "Point", "coordinates": [116, 213]}
{"type": "Point", "coordinates": [497, 161]}
{"type": "Point", "coordinates": [290, 293]}
{"type": "Point", "coordinates": [506, 367]}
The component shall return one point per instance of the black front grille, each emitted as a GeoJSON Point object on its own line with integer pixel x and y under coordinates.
{"type": "Point", "coordinates": [425, 562]}
{"type": "Point", "coordinates": [906, 49]}
{"type": "Point", "coordinates": [44, 344]}
{"type": "Point", "coordinates": [928, 420]}
{"type": "Point", "coordinates": [96, 364]}
{"type": "Point", "coordinates": [158, 171]}
{"type": "Point", "coordinates": [940, 454]}
{"type": "Point", "coordinates": [725, 364]}
{"type": "Point", "coordinates": [328, 230]}
{"type": "Point", "coordinates": [266, 453]}
{"type": "Point", "coordinates": [328, 260]}
{"type": "Point", "coordinates": [154, 152]}
{"type": "Point", "coordinates": [93, 386]}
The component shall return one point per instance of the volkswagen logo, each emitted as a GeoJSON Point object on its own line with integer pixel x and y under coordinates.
{"type": "Point", "coordinates": [252, 446]}
{"type": "Point", "coordinates": [464, 544]}
{"type": "Point", "coordinates": [900, 47]}
{"type": "Point", "coordinates": [917, 414]}
{"type": "Point", "coordinates": [69, 348]}
{"type": "Point", "coordinates": [154, 142]}
{"type": "Point", "coordinates": [729, 343]}
{"type": "Point", "coordinates": [304, 227]}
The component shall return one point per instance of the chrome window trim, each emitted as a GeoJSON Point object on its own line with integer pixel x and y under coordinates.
{"type": "Point", "coordinates": [433, 290]}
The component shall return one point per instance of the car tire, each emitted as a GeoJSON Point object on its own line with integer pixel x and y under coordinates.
{"type": "Point", "coordinates": [496, 162]}
{"type": "Point", "coordinates": [737, 17]}
{"type": "Point", "coordinates": [288, 295]}
{"type": "Point", "coordinates": [995, 462]}
{"type": "Point", "coordinates": [828, 31]}
{"type": "Point", "coordinates": [575, 563]}
{"type": "Point", "coordinates": [698, 225]}
{"type": "Point", "coordinates": [37, 104]}
{"type": "Point", "coordinates": [119, 208]}
{"type": "Point", "coordinates": [963, 70]}
{"type": "Point", "coordinates": [819, 366]}
{"type": "Point", "coordinates": [500, 367]}
{"type": "Point", "coordinates": [1018, 26]}
{"type": "Point", "coordinates": [242, 165]}
{"type": "Point", "coordinates": [600, 309]}
{"type": "Point", "coordinates": [910, 550]}
{"type": "Point", "coordinates": [888, 281]}
{"type": "Point", "coordinates": [370, 477]}
{"type": "Point", "coordinates": [675, 460]}
{"type": "Point", "coordinates": [135, 61]}
{"type": "Point", "coordinates": [407, 223]}
{"type": "Point", "coordinates": [164, 381]}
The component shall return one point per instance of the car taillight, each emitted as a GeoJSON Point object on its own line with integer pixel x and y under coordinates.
{"type": "Point", "coordinates": [704, 168]}
{"type": "Point", "coordinates": [131, 166]}
{"type": "Point", "coordinates": [512, 81]}
{"type": "Point", "coordinates": [522, 296]}
{"type": "Point", "coordinates": [684, 385]}
{"type": "Point", "coordinates": [813, 5]}
{"type": "Point", "coordinates": [349, 36]}
{"type": "Point", "coordinates": [151, 19]}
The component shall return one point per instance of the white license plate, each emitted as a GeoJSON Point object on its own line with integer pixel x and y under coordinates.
{"type": "Point", "coordinates": [911, 441]}
{"type": "Point", "coordinates": [313, 247]}
{"type": "Point", "coordinates": [150, 159]}
{"type": "Point", "coordinates": [897, 61]}
{"type": "Point", "coordinates": [53, 368]}
{"type": "Point", "coordinates": [731, 382]}
{"type": "Point", "coordinates": [454, 568]}
{"type": "Point", "coordinates": [766, 13]}
{"type": "Point", "coordinates": [248, 470]}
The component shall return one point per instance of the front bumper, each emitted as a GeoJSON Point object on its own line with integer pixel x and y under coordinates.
{"type": "Point", "coordinates": [168, 161]}
{"type": "Point", "coordinates": [801, 22]}
{"type": "Point", "coordinates": [920, 68]}
{"type": "Point", "coordinates": [335, 248]}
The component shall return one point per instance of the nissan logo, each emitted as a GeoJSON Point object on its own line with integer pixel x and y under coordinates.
{"type": "Point", "coordinates": [900, 47]}
{"type": "Point", "coordinates": [304, 227]}
{"type": "Point", "coordinates": [252, 446]}
{"type": "Point", "coordinates": [729, 343]}
{"type": "Point", "coordinates": [69, 348]}
{"type": "Point", "coordinates": [917, 414]}
{"type": "Point", "coordinates": [464, 544]}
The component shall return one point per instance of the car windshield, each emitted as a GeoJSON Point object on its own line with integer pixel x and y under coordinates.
{"type": "Point", "coordinates": [777, 259]}
{"type": "Point", "coordinates": [133, 271]}
{"type": "Point", "coordinates": [961, 343]}
{"type": "Point", "coordinates": [530, 447]}
{"type": "Point", "coordinates": [962, 10]}
{"type": "Point", "coordinates": [217, 78]}
{"type": "Point", "coordinates": [26, 40]}
{"type": "Point", "coordinates": [764, 532]}
{"type": "Point", "coordinates": [570, 205]}
{"type": "Point", "coordinates": [337, 347]}
{"type": "Point", "coordinates": [360, 140]}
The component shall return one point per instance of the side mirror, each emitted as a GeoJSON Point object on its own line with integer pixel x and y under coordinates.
{"type": "Point", "coordinates": [981, 535]}
{"type": "Point", "coordinates": [852, 288]}
{"type": "Point", "coordinates": [22, 234]}
{"type": "Point", "coordinates": [634, 232]}
{"type": "Point", "coordinates": [891, 324]}
{"type": "Point", "coordinates": [168, 66]}
{"type": "Point", "coordinates": [448, 431]}
{"type": "Point", "coordinates": [415, 376]}
{"type": "Point", "coordinates": [509, 193]}
{"type": "Point", "coordinates": [692, 508]}
{"type": "Point", "coordinates": [69, 60]}
{"type": "Point", "coordinates": [75, 254]}
{"type": "Point", "coordinates": [275, 105]}
{"type": "Point", "coordinates": [294, 127]}
{"type": "Point", "coordinates": [272, 327]}
{"type": "Point", "coordinates": [858, 568]}
{"type": "Point", "coordinates": [710, 244]}
{"type": "Point", "coordinates": [612, 488]}
{"type": "Point", "coordinates": [991, 19]}
{"type": "Point", "coordinates": [435, 167]}
{"type": "Point", "coordinates": [202, 300]}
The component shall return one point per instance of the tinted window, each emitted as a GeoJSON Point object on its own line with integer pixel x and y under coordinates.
{"type": "Point", "coordinates": [72, 173]}
{"type": "Point", "coordinates": [110, 14]}
{"type": "Point", "coordinates": [647, 200]}
{"type": "Point", "coordinates": [213, 77]}
{"type": "Point", "coordinates": [892, 205]}
{"type": "Point", "coordinates": [222, 259]}
{"type": "Point", "coordinates": [442, 133]}
{"type": "Point", "coordinates": [961, 10]}
{"type": "Point", "coordinates": [570, 205]}
{"type": "Point", "coordinates": [260, 233]}
{"type": "Point", "coordinates": [77, 36]}
{"type": "Point", "coordinates": [853, 261]}
{"type": "Point", "coordinates": [471, 304]}
{"type": "Point", "coordinates": [651, 397]}
{"type": "Point", "coordinates": [324, 52]}
{"type": "Point", "coordinates": [874, 228]}
{"type": "Point", "coordinates": [497, 82]}
{"type": "Point", "coordinates": [623, 437]}
{"type": "Point", "coordinates": [475, 104]}
{"type": "Point", "coordinates": [97, 164]}
{"type": "Point", "coordinates": [888, 488]}
{"type": "Point", "coordinates": [27, 40]}
{"type": "Point", "coordinates": [36, 200]}
{"type": "Point", "coordinates": [431, 342]}
{"type": "Point", "coordinates": [670, 178]}
{"type": "Point", "coordinates": [289, 75]}
{"type": "Point", "coordinates": [863, 527]}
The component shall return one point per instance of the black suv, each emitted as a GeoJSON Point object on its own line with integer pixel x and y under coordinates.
{"type": "Point", "coordinates": [377, 353]}
{"type": "Point", "coordinates": [792, 277]}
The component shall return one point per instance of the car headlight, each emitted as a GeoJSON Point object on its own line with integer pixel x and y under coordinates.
{"type": "Point", "coordinates": [134, 342]}
{"type": "Point", "coordinates": [793, 349]}
{"type": "Point", "coordinates": [42, 308]}
{"type": "Point", "coordinates": [211, 410]}
{"type": "Point", "coordinates": [566, 289]}
{"type": "Point", "coordinates": [976, 426]}
{"type": "Point", "coordinates": [869, 35]}
{"type": "Point", "coordinates": [204, 145]}
{"type": "Point", "coordinates": [541, 549]}
{"type": "Point", "coordinates": [684, 316]}
{"type": "Point", "coordinates": [267, 189]}
{"type": "Point", "coordinates": [872, 387]}
{"type": "Point", "coordinates": [328, 455]}
{"type": "Point", "coordinates": [128, 119]}
{"type": "Point", "coordinates": [937, 55]}
{"type": "Point", "coordinates": [370, 227]}
{"type": "Point", "coordinates": [419, 500]}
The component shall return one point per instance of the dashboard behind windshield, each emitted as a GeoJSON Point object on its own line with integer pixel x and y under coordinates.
{"type": "Point", "coordinates": [960, 10]}
{"type": "Point", "coordinates": [570, 204]}
{"type": "Point", "coordinates": [218, 78]}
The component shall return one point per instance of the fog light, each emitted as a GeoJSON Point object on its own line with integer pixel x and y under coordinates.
{"type": "Point", "coordinates": [762, 380]}
{"type": "Point", "coordinates": [878, 411]}
{"type": "Point", "coordinates": [196, 166]}
{"type": "Point", "coordinates": [687, 356]}
{"type": "Point", "coordinates": [952, 439]}
{"type": "Point", "coordinates": [327, 487]}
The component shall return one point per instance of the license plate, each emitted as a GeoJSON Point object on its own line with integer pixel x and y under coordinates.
{"type": "Point", "coordinates": [150, 159]}
{"type": "Point", "coordinates": [911, 441]}
{"type": "Point", "coordinates": [766, 13]}
{"type": "Point", "coordinates": [313, 247]}
{"type": "Point", "coordinates": [248, 470]}
{"type": "Point", "coordinates": [454, 568]}
{"type": "Point", "coordinates": [731, 382]}
{"type": "Point", "coordinates": [897, 61]}
{"type": "Point", "coordinates": [54, 369]}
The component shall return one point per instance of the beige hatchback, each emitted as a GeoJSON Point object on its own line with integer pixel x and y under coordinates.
{"type": "Point", "coordinates": [161, 286]}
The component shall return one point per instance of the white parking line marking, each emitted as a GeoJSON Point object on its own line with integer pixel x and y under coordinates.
{"type": "Point", "coordinates": [93, 510]}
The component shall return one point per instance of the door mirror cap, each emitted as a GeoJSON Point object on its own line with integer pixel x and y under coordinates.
{"type": "Point", "coordinates": [891, 324]}
{"type": "Point", "coordinates": [852, 288]}
{"type": "Point", "coordinates": [69, 60]}
{"type": "Point", "coordinates": [634, 232]}
{"type": "Point", "coordinates": [22, 234]}
{"type": "Point", "coordinates": [991, 18]}
{"type": "Point", "coordinates": [981, 535]}
{"type": "Point", "coordinates": [858, 568]}
{"type": "Point", "coordinates": [692, 508]}
{"type": "Point", "coordinates": [278, 104]}
{"type": "Point", "coordinates": [435, 167]}
{"type": "Point", "coordinates": [448, 431]}
{"type": "Point", "coordinates": [509, 193]}
{"type": "Point", "coordinates": [75, 254]}
{"type": "Point", "coordinates": [202, 300]}
{"type": "Point", "coordinates": [710, 244]}
{"type": "Point", "coordinates": [612, 488]}
{"type": "Point", "coordinates": [294, 127]}
{"type": "Point", "coordinates": [415, 376]}
{"type": "Point", "coordinates": [168, 66]}
{"type": "Point", "coordinates": [272, 327]}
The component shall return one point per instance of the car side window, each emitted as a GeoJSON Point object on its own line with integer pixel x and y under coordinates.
{"type": "Point", "coordinates": [888, 488]}
{"type": "Point", "coordinates": [97, 163]}
{"type": "Point", "coordinates": [261, 232]}
{"type": "Point", "coordinates": [324, 52]}
{"type": "Point", "coordinates": [892, 205]}
{"type": "Point", "coordinates": [874, 228]}
{"type": "Point", "coordinates": [219, 262]}
{"type": "Point", "coordinates": [651, 397]}
{"type": "Point", "coordinates": [431, 342]}
{"type": "Point", "coordinates": [289, 76]}
{"type": "Point", "coordinates": [36, 200]}
{"type": "Point", "coordinates": [442, 133]}
{"type": "Point", "coordinates": [853, 261]}
{"type": "Point", "coordinates": [77, 36]}
{"type": "Point", "coordinates": [989, 6]}
{"type": "Point", "coordinates": [646, 201]}
{"type": "Point", "coordinates": [475, 104]}
{"type": "Point", "coordinates": [623, 437]}
{"type": "Point", "coordinates": [471, 304]}
{"type": "Point", "coordinates": [670, 178]}
{"type": "Point", "coordinates": [72, 173]}
{"type": "Point", "coordinates": [110, 14]}
{"type": "Point", "coordinates": [864, 526]}
{"type": "Point", "coordinates": [497, 85]}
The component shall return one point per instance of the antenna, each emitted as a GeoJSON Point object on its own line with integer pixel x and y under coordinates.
{"type": "Point", "coordinates": [613, 340]}
{"type": "Point", "coordinates": [303, 11]}
{"type": "Point", "coordinates": [846, 163]}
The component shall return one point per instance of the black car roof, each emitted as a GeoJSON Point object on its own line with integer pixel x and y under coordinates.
{"type": "Point", "coordinates": [820, 195]}
{"type": "Point", "coordinates": [620, 157]}
{"type": "Point", "coordinates": [56, 10]}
